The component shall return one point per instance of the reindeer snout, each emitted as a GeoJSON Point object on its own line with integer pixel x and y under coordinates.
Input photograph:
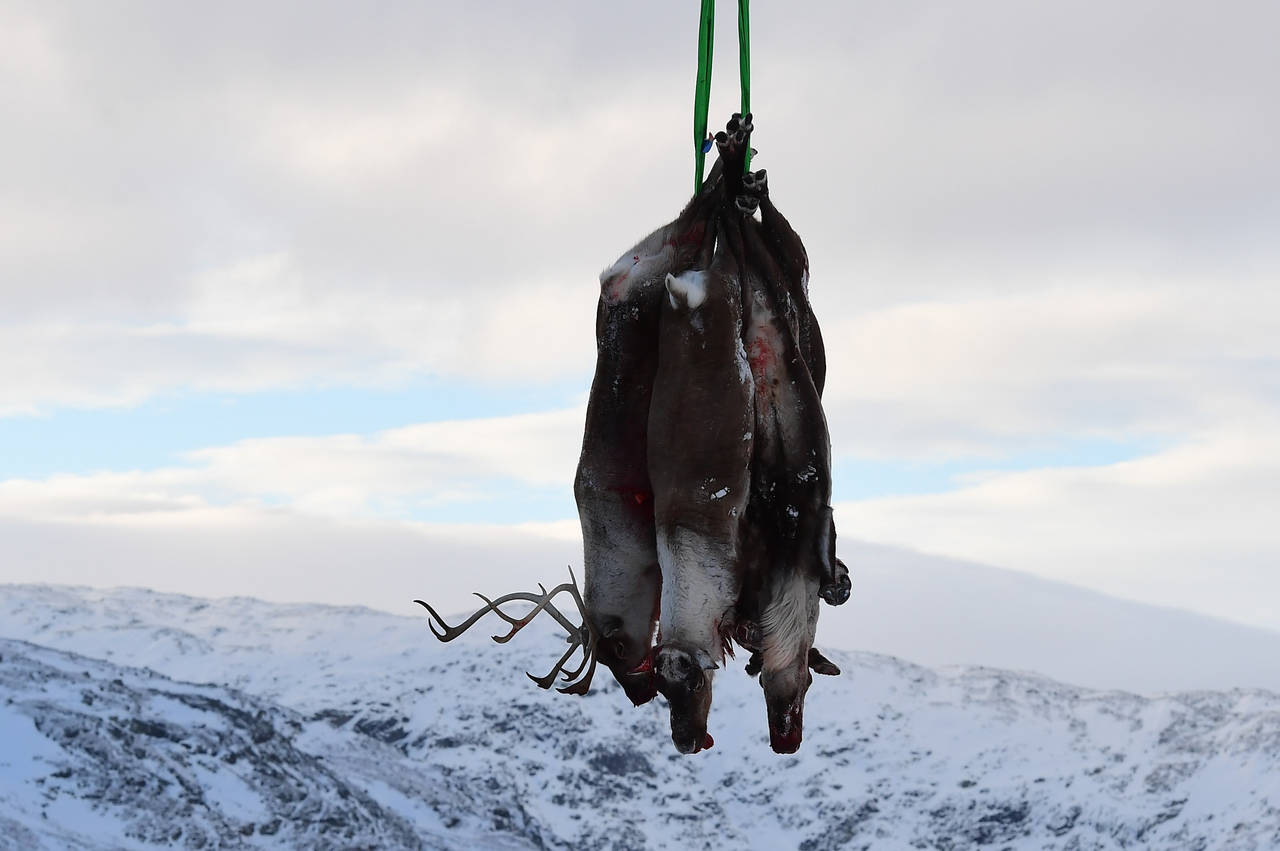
{"type": "Point", "coordinates": [688, 746]}
{"type": "Point", "coordinates": [786, 728]}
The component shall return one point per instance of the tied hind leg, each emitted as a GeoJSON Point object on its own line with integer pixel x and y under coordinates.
{"type": "Point", "coordinates": [732, 144]}
{"type": "Point", "coordinates": [837, 587]}
{"type": "Point", "coordinates": [788, 250]}
{"type": "Point", "coordinates": [834, 582]}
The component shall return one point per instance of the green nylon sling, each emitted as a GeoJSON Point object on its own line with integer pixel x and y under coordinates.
{"type": "Point", "coordinates": [702, 91]}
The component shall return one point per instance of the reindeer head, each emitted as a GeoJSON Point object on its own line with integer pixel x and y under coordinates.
{"type": "Point", "coordinates": [788, 625]}
{"type": "Point", "coordinates": [684, 677]}
{"type": "Point", "coordinates": [628, 659]}
{"type": "Point", "coordinates": [784, 691]}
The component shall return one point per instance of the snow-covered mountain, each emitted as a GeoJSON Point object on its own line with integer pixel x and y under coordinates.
{"type": "Point", "coordinates": [135, 719]}
{"type": "Point", "coordinates": [923, 607]}
{"type": "Point", "coordinates": [941, 611]}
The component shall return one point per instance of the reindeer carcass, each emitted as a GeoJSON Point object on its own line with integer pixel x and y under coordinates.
{"type": "Point", "coordinates": [612, 486]}
{"type": "Point", "coordinates": [704, 482]}
{"type": "Point", "coordinates": [790, 513]}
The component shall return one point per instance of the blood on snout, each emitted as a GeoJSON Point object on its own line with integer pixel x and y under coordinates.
{"type": "Point", "coordinates": [786, 737]}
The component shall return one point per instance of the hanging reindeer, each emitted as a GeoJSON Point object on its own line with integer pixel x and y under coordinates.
{"type": "Point", "coordinates": [790, 513]}
{"type": "Point", "coordinates": [612, 487]}
{"type": "Point", "coordinates": [704, 483]}
{"type": "Point", "coordinates": [779, 254]}
{"type": "Point", "coordinates": [700, 436]}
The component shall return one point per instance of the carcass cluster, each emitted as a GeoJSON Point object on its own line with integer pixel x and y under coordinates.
{"type": "Point", "coordinates": [704, 484]}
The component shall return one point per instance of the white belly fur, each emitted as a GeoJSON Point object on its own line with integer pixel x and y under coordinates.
{"type": "Point", "coordinates": [699, 588]}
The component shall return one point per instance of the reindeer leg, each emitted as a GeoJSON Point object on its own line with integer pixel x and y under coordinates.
{"type": "Point", "coordinates": [820, 664]}
{"type": "Point", "coordinates": [837, 585]}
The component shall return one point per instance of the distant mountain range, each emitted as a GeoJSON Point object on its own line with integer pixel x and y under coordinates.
{"type": "Point", "coordinates": [941, 611]}
{"type": "Point", "coordinates": [132, 719]}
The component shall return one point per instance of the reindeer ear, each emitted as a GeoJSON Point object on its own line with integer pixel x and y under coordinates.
{"type": "Point", "coordinates": [672, 289]}
{"type": "Point", "coordinates": [688, 290]}
{"type": "Point", "coordinates": [821, 664]}
{"type": "Point", "coordinates": [705, 662]}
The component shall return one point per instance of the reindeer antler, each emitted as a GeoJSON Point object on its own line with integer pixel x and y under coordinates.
{"type": "Point", "coordinates": [581, 637]}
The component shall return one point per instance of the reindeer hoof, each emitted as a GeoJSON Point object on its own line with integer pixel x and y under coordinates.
{"type": "Point", "coordinates": [756, 183]}
{"type": "Point", "coordinates": [723, 144]}
{"type": "Point", "coordinates": [835, 589]}
{"type": "Point", "coordinates": [746, 204]}
{"type": "Point", "coordinates": [836, 592]}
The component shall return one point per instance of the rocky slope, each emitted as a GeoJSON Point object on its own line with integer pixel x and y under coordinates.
{"type": "Point", "coordinates": [328, 727]}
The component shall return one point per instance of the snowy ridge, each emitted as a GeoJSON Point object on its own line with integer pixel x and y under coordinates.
{"type": "Point", "coordinates": [123, 756]}
{"type": "Point", "coordinates": [380, 737]}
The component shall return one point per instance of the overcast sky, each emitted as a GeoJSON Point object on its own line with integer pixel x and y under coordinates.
{"type": "Point", "coordinates": [297, 295]}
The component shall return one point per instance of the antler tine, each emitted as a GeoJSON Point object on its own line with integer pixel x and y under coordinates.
{"type": "Point", "coordinates": [586, 639]}
{"type": "Point", "coordinates": [577, 597]}
{"type": "Point", "coordinates": [582, 685]}
{"type": "Point", "coordinates": [546, 681]}
{"type": "Point", "coordinates": [543, 604]}
{"type": "Point", "coordinates": [581, 638]}
{"type": "Point", "coordinates": [587, 655]}
{"type": "Point", "coordinates": [449, 633]}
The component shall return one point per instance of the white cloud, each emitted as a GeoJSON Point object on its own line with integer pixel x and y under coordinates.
{"type": "Point", "coordinates": [1191, 527]}
{"type": "Point", "coordinates": [1028, 229]}
{"type": "Point", "coordinates": [433, 189]}
{"type": "Point", "coordinates": [389, 473]}
{"type": "Point", "coordinates": [997, 374]}
{"type": "Point", "coordinates": [286, 556]}
{"type": "Point", "coordinates": [258, 325]}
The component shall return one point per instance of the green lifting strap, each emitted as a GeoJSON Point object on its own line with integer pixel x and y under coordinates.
{"type": "Point", "coordinates": [744, 62]}
{"type": "Point", "coordinates": [702, 94]}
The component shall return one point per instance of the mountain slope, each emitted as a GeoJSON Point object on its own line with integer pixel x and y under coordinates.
{"type": "Point", "coordinates": [102, 756]}
{"type": "Point", "coordinates": [940, 611]}
{"type": "Point", "coordinates": [455, 742]}
{"type": "Point", "coordinates": [917, 606]}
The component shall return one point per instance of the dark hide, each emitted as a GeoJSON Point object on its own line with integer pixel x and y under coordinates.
{"type": "Point", "coordinates": [789, 512]}
{"type": "Point", "coordinates": [789, 253]}
{"type": "Point", "coordinates": [612, 488]}
{"type": "Point", "coordinates": [775, 251]}
{"type": "Point", "coordinates": [700, 428]}
{"type": "Point", "coordinates": [700, 445]}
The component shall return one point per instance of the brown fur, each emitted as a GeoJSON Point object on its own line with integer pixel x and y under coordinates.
{"type": "Point", "coordinates": [612, 487]}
